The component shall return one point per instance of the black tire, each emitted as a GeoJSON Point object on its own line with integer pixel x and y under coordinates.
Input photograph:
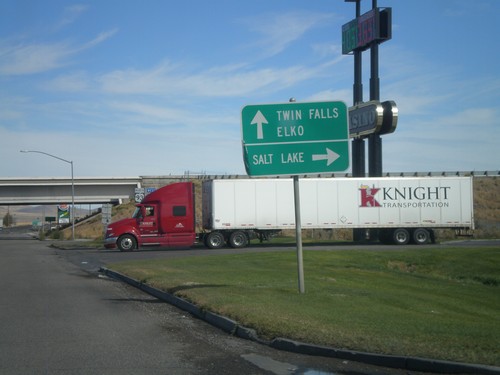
{"type": "Point", "coordinates": [238, 239]}
{"type": "Point", "coordinates": [400, 236]}
{"type": "Point", "coordinates": [127, 242]}
{"type": "Point", "coordinates": [421, 236]}
{"type": "Point", "coordinates": [214, 240]}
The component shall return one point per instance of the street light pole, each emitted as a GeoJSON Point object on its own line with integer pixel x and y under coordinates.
{"type": "Point", "coordinates": [72, 187]}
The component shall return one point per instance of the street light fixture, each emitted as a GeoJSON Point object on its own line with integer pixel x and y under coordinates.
{"type": "Point", "coordinates": [72, 187]}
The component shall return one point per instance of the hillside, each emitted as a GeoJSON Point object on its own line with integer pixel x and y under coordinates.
{"type": "Point", "coordinates": [487, 207]}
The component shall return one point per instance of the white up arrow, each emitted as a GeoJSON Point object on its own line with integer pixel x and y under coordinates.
{"type": "Point", "coordinates": [259, 119]}
{"type": "Point", "coordinates": [330, 157]}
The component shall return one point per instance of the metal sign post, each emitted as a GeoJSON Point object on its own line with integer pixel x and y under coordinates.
{"type": "Point", "coordinates": [298, 234]}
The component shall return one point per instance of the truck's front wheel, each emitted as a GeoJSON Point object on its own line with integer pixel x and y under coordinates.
{"type": "Point", "coordinates": [214, 240]}
{"type": "Point", "coordinates": [127, 242]}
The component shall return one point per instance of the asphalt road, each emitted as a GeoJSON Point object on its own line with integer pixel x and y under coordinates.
{"type": "Point", "coordinates": [58, 315]}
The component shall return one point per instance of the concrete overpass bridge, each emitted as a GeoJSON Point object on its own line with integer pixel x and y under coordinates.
{"type": "Point", "coordinates": [41, 191]}
{"type": "Point", "coordinates": [88, 190]}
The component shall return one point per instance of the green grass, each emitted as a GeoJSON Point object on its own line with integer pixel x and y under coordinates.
{"type": "Point", "coordinates": [427, 302]}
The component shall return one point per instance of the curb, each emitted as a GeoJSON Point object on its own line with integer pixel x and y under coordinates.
{"type": "Point", "coordinates": [232, 327]}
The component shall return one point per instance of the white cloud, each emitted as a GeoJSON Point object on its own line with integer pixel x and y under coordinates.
{"type": "Point", "coordinates": [463, 8]}
{"type": "Point", "coordinates": [70, 15]}
{"type": "Point", "coordinates": [327, 49]}
{"type": "Point", "coordinates": [280, 30]}
{"type": "Point", "coordinates": [72, 82]}
{"type": "Point", "coordinates": [136, 112]}
{"type": "Point", "coordinates": [344, 95]}
{"type": "Point", "coordinates": [19, 58]}
{"type": "Point", "coordinates": [225, 81]}
{"type": "Point", "coordinates": [12, 108]}
{"type": "Point", "coordinates": [472, 116]}
{"type": "Point", "coordinates": [99, 39]}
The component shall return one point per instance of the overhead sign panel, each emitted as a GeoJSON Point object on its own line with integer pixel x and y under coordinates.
{"type": "Point", "coordinates": [295, 138]}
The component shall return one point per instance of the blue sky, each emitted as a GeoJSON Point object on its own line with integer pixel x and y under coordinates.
{"type": "Point", "coordinates": [128, 88]}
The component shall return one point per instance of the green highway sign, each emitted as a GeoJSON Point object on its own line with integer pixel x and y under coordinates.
{"type": "Point", "coordinates": [295, 138]}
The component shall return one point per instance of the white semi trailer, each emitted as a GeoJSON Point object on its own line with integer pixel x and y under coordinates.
{"type": "Point", "coordinates": [402, 210]}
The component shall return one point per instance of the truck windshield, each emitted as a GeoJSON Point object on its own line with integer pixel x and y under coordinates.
{"type": "Point", "coordinates": [137, 213]}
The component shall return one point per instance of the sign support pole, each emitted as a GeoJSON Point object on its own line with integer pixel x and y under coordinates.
{"type": "Point", "coordinates": [358, 144]}
{"type": "Point", "coordinates": [298, 229]}
{"type": "Point", "coordinates": [298, 234]}
{"type": "Point", "coordinates": [374, 141]}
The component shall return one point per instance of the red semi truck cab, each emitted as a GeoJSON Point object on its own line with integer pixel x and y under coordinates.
{"type": "Point", "coordinates": [164, 218]}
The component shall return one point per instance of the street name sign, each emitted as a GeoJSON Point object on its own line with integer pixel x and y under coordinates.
{"type": "Point", "coordinates": [295, 138]}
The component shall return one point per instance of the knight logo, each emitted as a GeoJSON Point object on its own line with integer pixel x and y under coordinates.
{"type": "Point", "coordinates": [179, 225]}
{"type": "Point", "coordinates": [368, 196]}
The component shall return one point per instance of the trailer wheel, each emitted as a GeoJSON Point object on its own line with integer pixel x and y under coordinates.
{"type": "Point", "coordinates": [400, 236]}
{"type": "Point", "coordinates": [421, 236]}
{"type": "Point", "coordinates": [127, 242]}
{"type": "Point", "coordinates": [214, 240]}
{"type": "Point", "coordinates": [238, 239]}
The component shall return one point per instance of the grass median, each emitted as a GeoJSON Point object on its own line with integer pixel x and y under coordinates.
{"type": "Point", "coordinates": [426, 302]}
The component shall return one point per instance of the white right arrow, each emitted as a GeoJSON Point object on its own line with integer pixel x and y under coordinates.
{"type": "Point", "coordinates": [259, 119]}
{"type": "Point", "coordinates": [330, 156]}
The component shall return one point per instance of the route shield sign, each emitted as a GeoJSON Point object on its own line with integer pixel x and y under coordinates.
{"type": "Point", "coordinates": [295, 138]}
